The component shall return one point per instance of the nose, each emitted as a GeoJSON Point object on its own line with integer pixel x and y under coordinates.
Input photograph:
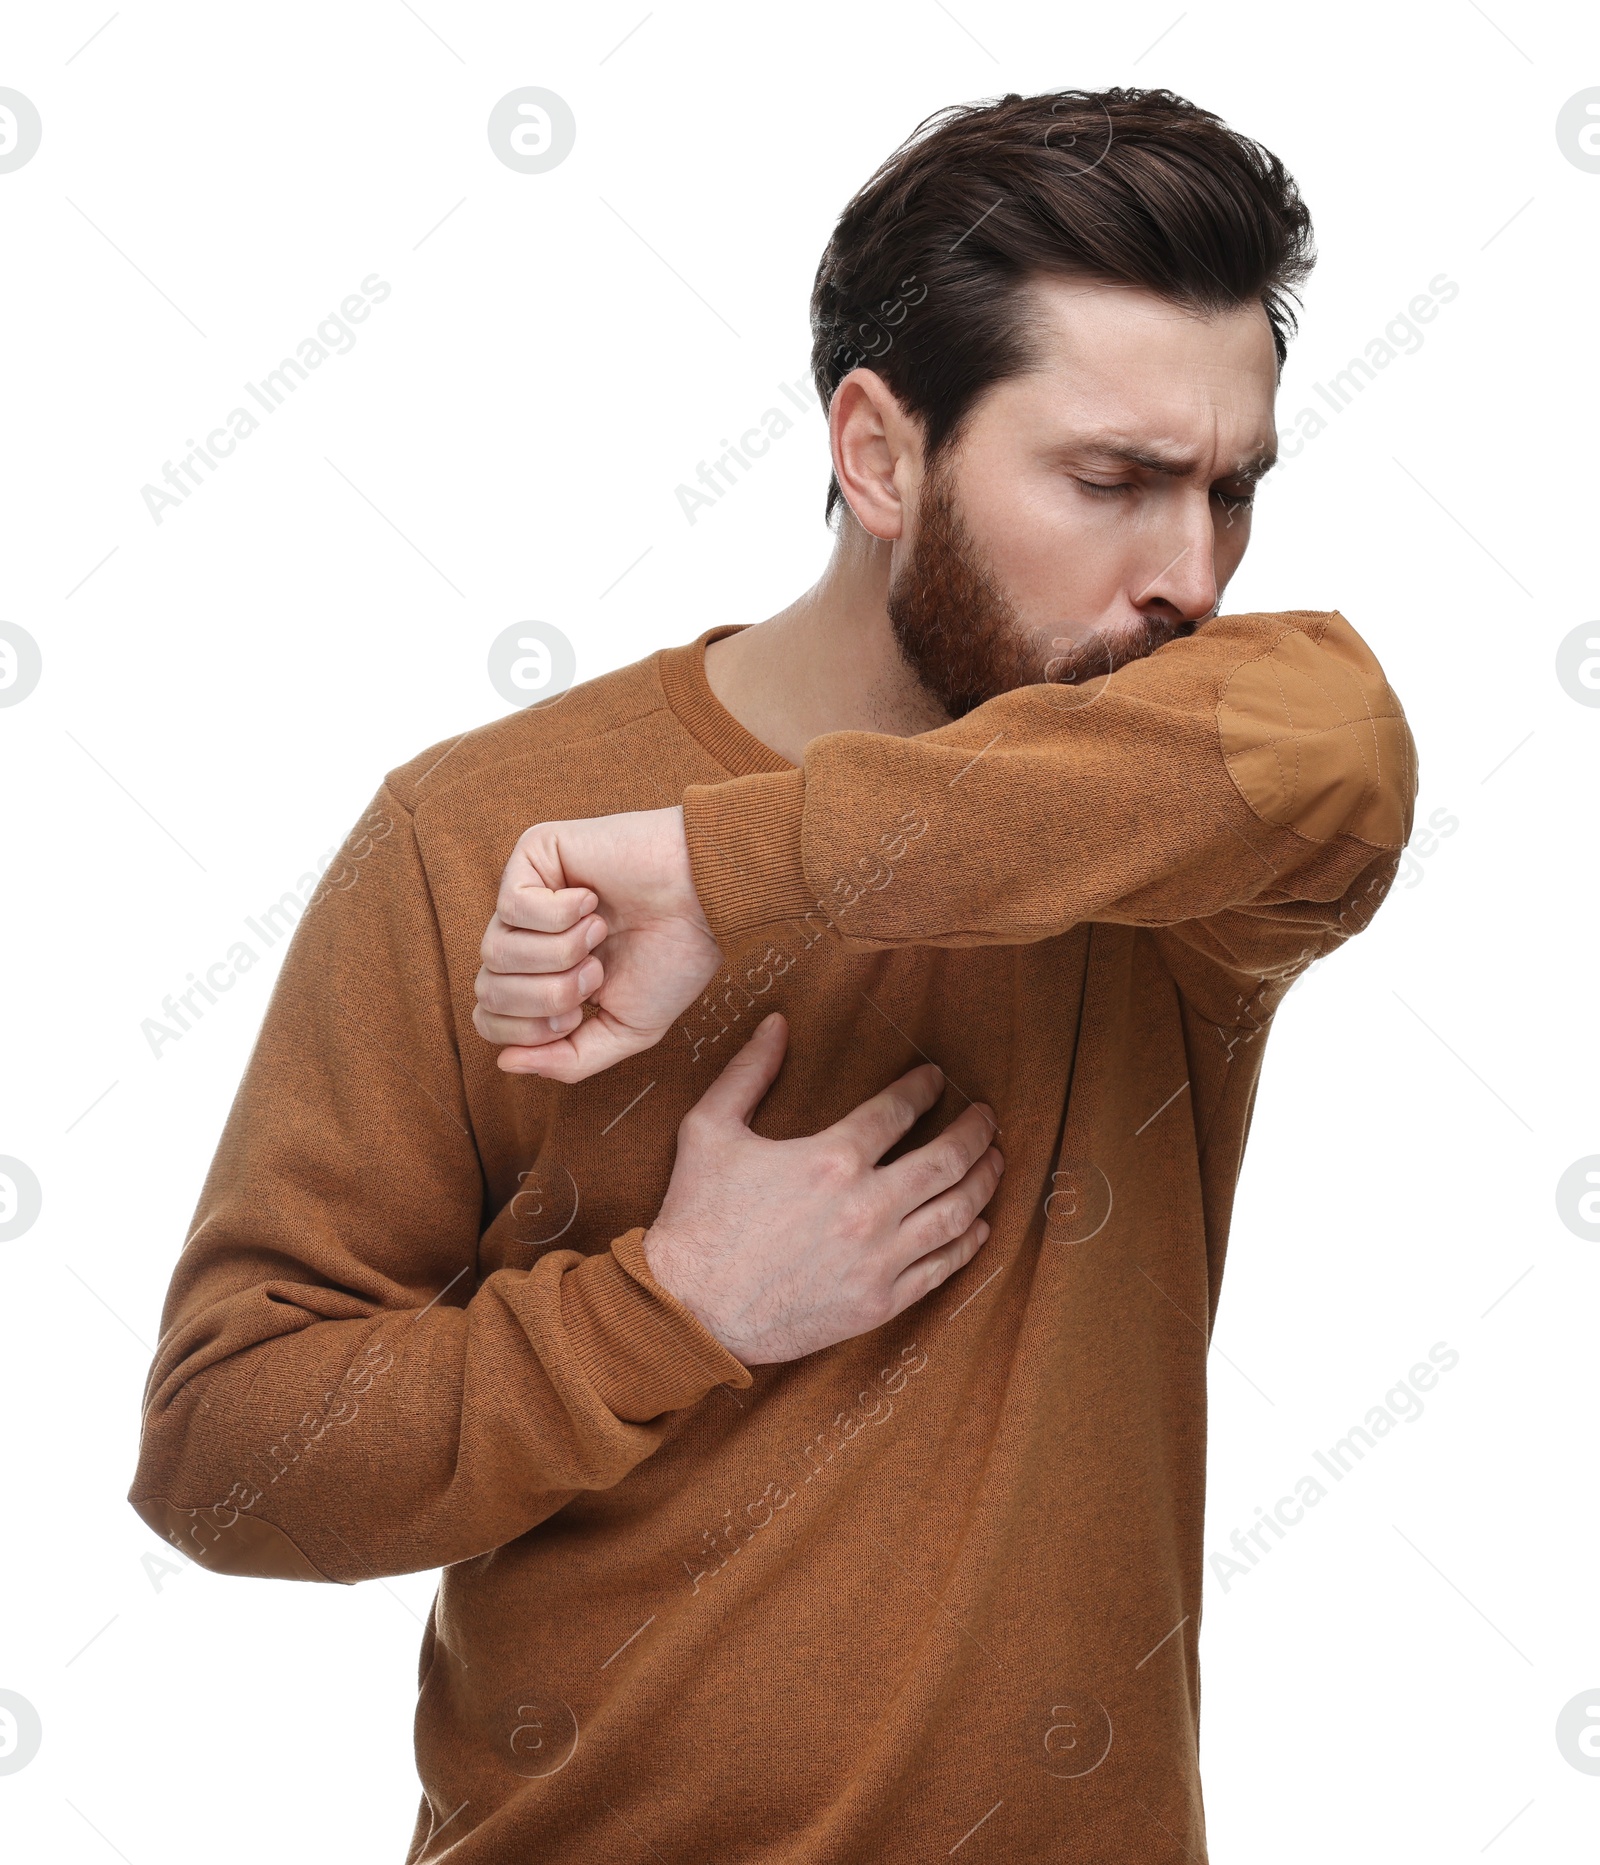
{"type": "Point", "coordinates": [1184, 587]}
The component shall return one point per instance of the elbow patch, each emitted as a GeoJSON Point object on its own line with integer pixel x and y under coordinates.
{"type": "Point", "coordinates": [1315, 741]}
{"type": "Point", "coordinates": [244, 1544]}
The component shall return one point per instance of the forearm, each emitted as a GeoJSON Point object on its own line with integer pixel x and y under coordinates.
{"type": "Point", "coordinates": [335, 1394]}
{"type": "Point", "coordinates": [385, 1442]}
{"type": "Point", "coordinates": [1262, 761]}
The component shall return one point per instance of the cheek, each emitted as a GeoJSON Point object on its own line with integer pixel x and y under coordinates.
{"type": "Point", "coordinates": [1057, 554]}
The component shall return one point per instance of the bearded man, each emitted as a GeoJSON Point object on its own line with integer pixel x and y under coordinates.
{"type": "Point", "coordinates": [771, 1270]}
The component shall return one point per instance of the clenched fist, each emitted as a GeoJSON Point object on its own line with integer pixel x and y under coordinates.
{"type": "Point", "coordinates": [601, 911]}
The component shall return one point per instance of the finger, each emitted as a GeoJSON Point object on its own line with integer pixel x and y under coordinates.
{"type": "Point", "coordinates": [524, 1032]}
{"type": "Point", "coordinates": [549, 994]}
{"type": "Point", "coordinates": [737, 1091]}
{"type": "Point", "coordinates": [598, 1043]}
{"type": "Point", "coordinates": [512, 949]}
{"type": "Point", "coordinates": [890, 1114]}
{"type": "Point", "coordinates": [525, 899]}
{"type": "Point", "coordinates": [927, 1170]}
{"type": "Point", "coordinates": [924, 1275]}
{"type": "Point", "coordinates": [952, 1212]}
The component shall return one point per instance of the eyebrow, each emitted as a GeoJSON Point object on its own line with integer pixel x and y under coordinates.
{"type": "Point", "coordinates": [1159, 460]}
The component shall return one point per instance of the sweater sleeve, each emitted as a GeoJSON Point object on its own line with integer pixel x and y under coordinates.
{"type": "Point", "coordinates": [1243, 791]}
{"type": "Point", "coordinates": [336, 1393]}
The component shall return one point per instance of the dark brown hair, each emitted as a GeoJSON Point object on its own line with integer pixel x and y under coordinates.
{"type": "Point", "coordinates": [923, 278]}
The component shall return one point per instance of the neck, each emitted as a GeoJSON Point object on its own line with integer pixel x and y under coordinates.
{"type": "Point", "coordinates": [829, 662]}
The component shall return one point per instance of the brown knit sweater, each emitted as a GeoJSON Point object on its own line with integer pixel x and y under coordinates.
{"type": "Point", "coordinates": [938, 1581]}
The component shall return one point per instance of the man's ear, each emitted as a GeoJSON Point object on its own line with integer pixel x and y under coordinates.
{"type": "Point", "coordinates": [877, 453]}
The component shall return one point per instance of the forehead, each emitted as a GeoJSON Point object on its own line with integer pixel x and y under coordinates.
{"type": "Point", "coordinates": [1120, 358]}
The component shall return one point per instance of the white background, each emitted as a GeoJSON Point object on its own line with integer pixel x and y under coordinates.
{"type": "Point", "coordinates": [222, 692]}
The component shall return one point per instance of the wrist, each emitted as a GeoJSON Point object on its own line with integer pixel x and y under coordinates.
{"type": "Point", "coordinates": [667, 1262]}
{"type": "Point", "coordinates": [683, 872]}
{"type": "Point", "coordinates": [656, 1248]}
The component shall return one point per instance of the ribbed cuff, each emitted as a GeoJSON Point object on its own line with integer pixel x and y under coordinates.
{"type": "Point", "coordinates": [744, 850]}
{"type": "Point", "coordinates": [638, 1346]}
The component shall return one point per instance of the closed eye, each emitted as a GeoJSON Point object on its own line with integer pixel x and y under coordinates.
{"type": "Point", "coordinates": [1113, 488]}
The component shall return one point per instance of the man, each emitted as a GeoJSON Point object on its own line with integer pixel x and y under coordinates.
{"type": "Point", "coordinates": [814, 1440]}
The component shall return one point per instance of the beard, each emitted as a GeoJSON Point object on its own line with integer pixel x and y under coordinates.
{"type": "Point", "coordinates": [961, 634]}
